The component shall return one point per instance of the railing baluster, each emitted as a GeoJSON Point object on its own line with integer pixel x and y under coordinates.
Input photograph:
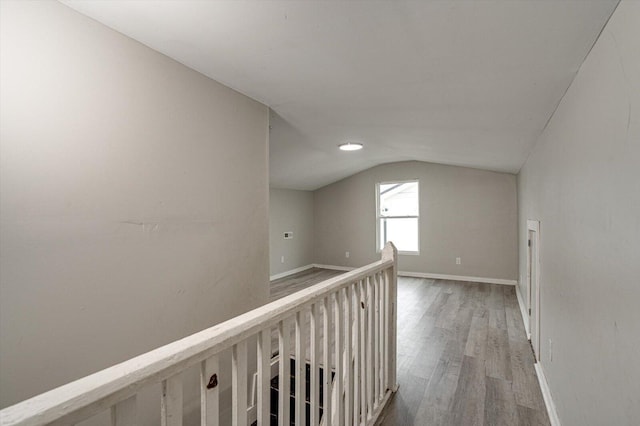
{"type": "Point", "coordinates": [125, 413]}
{"type": "Point", "coordinates": [348, 353]}
{"type": "Point", "coordinates": [370, 311]}
{"type": "Point", "coordinates": [326, 389]}
{"type": "Point", "coordinates": [239, 384]}
{"type": "Point", "coordinates": [356, 353]}
{"type": "Point", "coordinates": [284, 379]}
{"type": "Point", "coordinates": [171, 403]}
{"type": "Point", "coordinates": [264, 377]}
{"type": "Point", "coordinates": [376, 340]}
{"type": "Point", "coordinates": [363, 351]}
{"type": "Point", "coordinates": [381, 333]}
{"type": "Point", "coordinates": [301, 343]}
{"type": "Point", "coordinates": [385, 332]}
{"type": "Point", "coordinates": [209, 392]}
{"type": "Point", "coordinates": [390, 253]}
{"type": "Point", "coordinates": [339, 349]}
{"type": "Point", "coordinates": [314, 397]}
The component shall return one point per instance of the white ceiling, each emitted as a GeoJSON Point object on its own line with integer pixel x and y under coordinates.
{"type": "Point", "coordinates": [469, 83]}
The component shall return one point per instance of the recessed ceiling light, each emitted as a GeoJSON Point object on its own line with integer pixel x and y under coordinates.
{"type": "Point", "coordinates": [350, 146]}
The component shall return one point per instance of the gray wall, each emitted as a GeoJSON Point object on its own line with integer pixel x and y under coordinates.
{"type": "Point", "coordinates": [134, 199]}
{"type": "Point", "coordinates": [464, 212]}
{"type": "Point", "coordinates": [290, 210]}
{"type": "Point", "coordinates": [582, 181]}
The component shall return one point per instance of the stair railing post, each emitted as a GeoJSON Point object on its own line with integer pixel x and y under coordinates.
{"type": "Point", "coordinates": [389, 252]}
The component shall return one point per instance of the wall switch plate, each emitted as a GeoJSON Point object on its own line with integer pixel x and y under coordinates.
{"type": "Point", "coordinates": [288, 235]}
{"type": "Point", "coordinates": [346, 254]}
{"type": "Point", "coordinates": [458, 261]}
{"type": "Point", "coordinates": [282, 259]}
{"type": "Point", "coordinates": [550, 350]}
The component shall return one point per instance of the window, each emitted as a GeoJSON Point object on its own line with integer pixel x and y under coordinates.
{"type": "Point", "coordinates": [398, 215]}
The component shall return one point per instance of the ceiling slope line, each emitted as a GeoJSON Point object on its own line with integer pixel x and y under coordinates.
{"type": "Point", "coordinates": [546, 124]}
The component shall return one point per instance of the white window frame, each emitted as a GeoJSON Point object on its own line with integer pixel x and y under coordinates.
{"type": "Point", "coordinates": [379, 216]}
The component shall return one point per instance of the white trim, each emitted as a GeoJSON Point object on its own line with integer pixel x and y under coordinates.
{"type": "Point", "coordinates": [546, 394]}
{"type": "Point", "coordinates": [378, 216]}
{"type": "Point", "coordinates": [291, 272]}
{"type": "Point", "coordinates": [523, 312]}
{"type": "Point", "coordinates": [334, 267]}
{"type": "Point", "coordinates": [457, 278]}
{"type": "Point", "coordinates": [534, 226]}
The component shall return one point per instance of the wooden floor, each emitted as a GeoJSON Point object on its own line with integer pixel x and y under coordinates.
{"type": "Point", "coordinates": [463, 357]}
{"type": "Point", "coordinates": [285, 286]}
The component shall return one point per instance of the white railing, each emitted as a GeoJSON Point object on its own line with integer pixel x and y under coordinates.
{"type": "Point", "coordinates": [351, 330]}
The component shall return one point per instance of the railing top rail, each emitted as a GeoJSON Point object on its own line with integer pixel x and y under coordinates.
{"type": "Point", "coordinates": [91, 394]}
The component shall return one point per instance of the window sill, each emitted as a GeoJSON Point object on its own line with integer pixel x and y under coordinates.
{"type": "Point", "coordinates": [404, 253]}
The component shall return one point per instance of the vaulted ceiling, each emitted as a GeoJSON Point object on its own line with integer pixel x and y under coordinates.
{"type": "Point", "coordinates": [469, 83]}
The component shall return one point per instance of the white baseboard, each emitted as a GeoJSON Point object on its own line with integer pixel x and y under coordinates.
{"type": "Point", "coordinates": [428, 275]}
{"type": "Point", "coordinates": [523, 312]}
{"type": "Point", "coordinates": [542, 379]}
{"type": "Point", "coordinates": [457, 278]}
{"type": "Point", "coordinates": [334, 267]}
{"type": "Point", "coordinates": [291, 272]}
{"type": "Point", "coordinates": [546, 394]}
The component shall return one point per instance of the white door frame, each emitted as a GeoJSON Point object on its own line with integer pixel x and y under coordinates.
{"type": "Point", "coordinates": [533, 265]}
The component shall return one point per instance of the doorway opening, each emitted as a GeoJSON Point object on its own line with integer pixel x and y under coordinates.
{"type": "Point", "coordinates": [533, 284]}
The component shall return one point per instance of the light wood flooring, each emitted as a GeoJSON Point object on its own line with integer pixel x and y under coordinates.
{"type": "Point", "coordinates": [463, 356]}
{"type": "Point", "coordinates": [285, 286]}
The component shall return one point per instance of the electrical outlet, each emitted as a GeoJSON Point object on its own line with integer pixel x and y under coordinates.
{"type": "Point", "coordinates": [346, 254]}
{"type": "Point", "coordinates": [282, 259]}
{"type": "Point", "coordinates": [458, 261]}
{"type": "Point", "coordinates": [550, 350]}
